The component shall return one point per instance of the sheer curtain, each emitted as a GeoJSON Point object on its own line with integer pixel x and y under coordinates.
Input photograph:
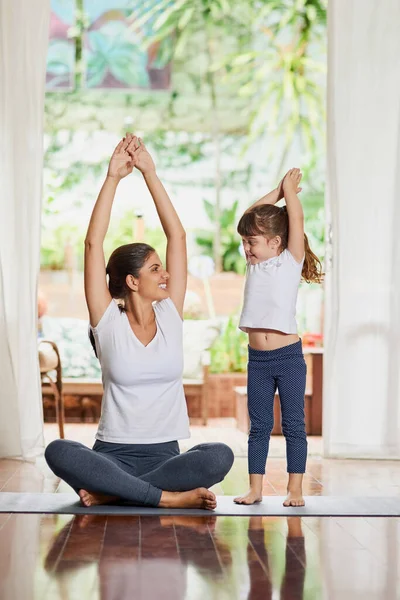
{"type": "Point", "coordinates": [362, 328]}
{"type": "Point", "coordinates": [24, 30]}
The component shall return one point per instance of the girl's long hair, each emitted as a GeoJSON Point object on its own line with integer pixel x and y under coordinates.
{"type": "Point", "coordinates": [270, 221]}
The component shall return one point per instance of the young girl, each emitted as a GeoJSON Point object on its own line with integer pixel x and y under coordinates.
{"type": "Point", "coordinates": [278, 256]}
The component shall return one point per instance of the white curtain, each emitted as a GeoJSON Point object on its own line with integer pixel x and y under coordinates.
{"type": "Point", "coordinates": [362, 327]}
{"type": "Point", "coordinates": [24, 30]}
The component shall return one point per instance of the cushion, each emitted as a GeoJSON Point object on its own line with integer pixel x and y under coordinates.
{"type": "Point", "coordinates": [198, 337]}
{"type": "Point", "coordinates": [76, 352]}
{"type": "Point", "coordinates": [78, 359]}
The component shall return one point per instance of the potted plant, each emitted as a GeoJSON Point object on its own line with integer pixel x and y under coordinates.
{"type": "Point", "coordinates": [228, 369]}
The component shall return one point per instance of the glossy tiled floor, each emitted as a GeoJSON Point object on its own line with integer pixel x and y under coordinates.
{"type": "Point", "coordinates": [119, 558]}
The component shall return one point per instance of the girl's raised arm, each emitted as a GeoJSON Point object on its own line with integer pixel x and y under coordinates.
{"type": "Point", "coordinates": [295, 213]}
{"type": "Point", "coordinates": [272, 197]}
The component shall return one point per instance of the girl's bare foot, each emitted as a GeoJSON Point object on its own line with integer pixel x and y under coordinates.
{"type": "Point", "coordinates": [252, 497]}
{"type": "Point", "coordinates": [294, 498]}
{"type": "Point", "coordinates": [295, 490]}
{"type": "Point", "coordinates": [92, 498]}
{"type": "Point", "coordinates": [198, 498]}
{"type": "Point", "coordinates": [294, 527]}
{"type": "Point", "coordinates": [255, 492]}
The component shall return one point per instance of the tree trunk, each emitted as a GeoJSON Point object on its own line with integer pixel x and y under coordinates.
{"type": "Point", "coordinates": [218, 188]}
{"type": "Point", "coordinates": [215, 132]}
{"type": "Point", "coordinates": [79, 67]}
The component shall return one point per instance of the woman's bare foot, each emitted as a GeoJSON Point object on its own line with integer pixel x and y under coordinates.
{"type": "Point", "coordinates": [252, 497]}
{"type": "Point", "coordinates": [198, 498]}
{"type": "Point", "coordinates": [92, 498]}
{"type": "Point", "coordinates": [200, 524]}
{"type": "Point", "coordinates": [294, 498]}
{"type": "Point", "coordinates": [83, 521]}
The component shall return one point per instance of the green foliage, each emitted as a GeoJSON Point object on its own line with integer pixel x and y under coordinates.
{"type": "Point", "coordinates": [54, 242]}
{"type": "Point", "coordinates": [230, 241]}
{"type": "Point", "coordinates": [229, 351]}
{"type": "Point", "coordinates": [61, 179]}
{"type": "Point", "coordinates": [122, 232]}
{"type": "Point", "coordinates": [60, 61]}
{"type": "Point", "coordinates": [268, 54]}
{"type": "Point", "coordinates": [202, 33]}
{"type": "Point", "coordinates": [111, 52]}
{"type": "Point", "coordinates": [260, 62]}
{"type": "Point", "coordinates": [281, 73]}
{"type": "Point", "coordinates": [314, 219]}
{"type": "Point", "coordinates": [177, 149]}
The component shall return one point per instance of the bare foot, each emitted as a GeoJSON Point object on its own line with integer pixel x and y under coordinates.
{"type": "Point", "coordinates": [294, 527]}
{"type": "Point", "coordinates": [92, 498]}
{"type": "Point", "coordinates": [256, 523]}
{"type": "Point", "coordinates": [83, 521]}
{"type": "Point", "coordinates": [200, 524]}
{"type": "Point", "coordinates": [198, 498]}
{"type": "Point", "coordinates": [294, 498]}
{"type": "Point", "coordinates": [252, 497]}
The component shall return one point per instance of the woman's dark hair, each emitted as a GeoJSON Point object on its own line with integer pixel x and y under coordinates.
{"type": "Point", "coordinates": [270, 221]}
{"type": "Point", "coordinates": [125, 260]}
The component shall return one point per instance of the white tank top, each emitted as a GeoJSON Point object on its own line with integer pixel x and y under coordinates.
{"type": "Point", "coordinates": [270, 294]}
{"type": "Point", "coordinates": [143, 400]}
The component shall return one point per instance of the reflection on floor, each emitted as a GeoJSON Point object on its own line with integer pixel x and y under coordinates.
{"type": "Point", "coordinates": [119, 558]}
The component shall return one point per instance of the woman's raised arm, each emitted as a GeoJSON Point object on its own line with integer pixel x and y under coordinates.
{"type": "Point", "coordinates": [96, 291]}
{"type": "Point", "coordinates": [170, 222]}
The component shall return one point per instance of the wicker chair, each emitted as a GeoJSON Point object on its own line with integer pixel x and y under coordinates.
{"type": "Point", "coordinates": [49, 363]}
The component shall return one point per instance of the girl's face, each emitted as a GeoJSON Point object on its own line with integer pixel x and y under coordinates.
{"type": "Point", "coordinates": [258, 248]}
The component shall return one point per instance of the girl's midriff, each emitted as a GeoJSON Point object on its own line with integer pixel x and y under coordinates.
{"type": "Point", "coordinates": [270, 339]}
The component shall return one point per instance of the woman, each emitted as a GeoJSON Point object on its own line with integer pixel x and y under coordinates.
{"type": "Point", "coordinates": [136, 455]}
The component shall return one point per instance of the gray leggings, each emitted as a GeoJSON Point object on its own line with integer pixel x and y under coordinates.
{"type": "Point", "coordinates": [138, 473]}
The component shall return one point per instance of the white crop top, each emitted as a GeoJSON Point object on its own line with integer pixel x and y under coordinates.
{"type": "Point", "coordinates": [143, 400]}
{"type": "Point", "coordinates": [270, 294]}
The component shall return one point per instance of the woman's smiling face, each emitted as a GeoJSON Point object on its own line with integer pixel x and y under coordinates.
{"type": "Point", "coordinates": [153, 279]}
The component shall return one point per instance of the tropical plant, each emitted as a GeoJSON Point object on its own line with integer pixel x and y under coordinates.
{"type": "Point", "coordinates": [111, 52]}
{"type": "Point", "coordinates": [261, 62]}
{"type": "Point", "coordinates": [60, 63]}
{"type": "Point", "coordinates": [54, 244]}
{"type": "Point", "coordinates": [123, 232]}
{"type": "Point", "coordinates": [56, 239]}
{"type": "Point", "coordinates": [229, 351]}
{"type": "Point", "coordinates": [230, 241]}
{"type": "Point", "coordinates": [59, 179]}
{"type": "Point", "coordinates": [281, 74]}
{"type": "Point", "coordinates": [276, 66]}
{"type": "Point", "coordinates": [314, 220]}
{"type": "Point", "coordinates": [212, 26]}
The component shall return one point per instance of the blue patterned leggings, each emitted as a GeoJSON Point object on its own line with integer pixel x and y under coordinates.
{"type": "Point", "coordinates": [283, 369]}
